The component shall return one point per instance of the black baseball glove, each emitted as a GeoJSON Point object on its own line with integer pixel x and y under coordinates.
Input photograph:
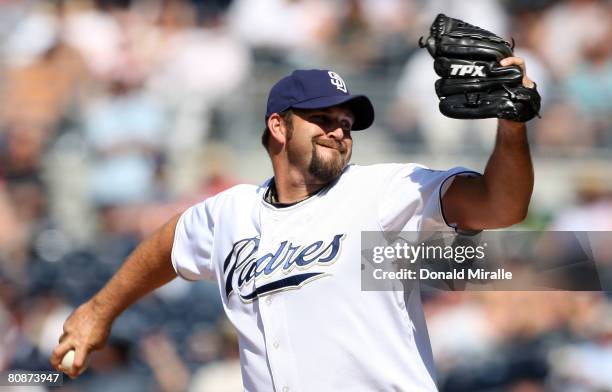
{"type": "Point", "coordinates": [473, 84]}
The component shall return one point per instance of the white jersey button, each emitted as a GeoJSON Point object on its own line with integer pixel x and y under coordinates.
{"type": "Point", "coordinates": [285, 389]}
{"type": "Point", "coordinates": [268, 301]}
{"type": "Point", "coordinates": [276, 344]}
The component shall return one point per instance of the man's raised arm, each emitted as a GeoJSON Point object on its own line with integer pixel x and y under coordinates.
{"type": "Point", "coordinates": [148, 267]}
{"type": "Point", "coordinates": [499, 198]}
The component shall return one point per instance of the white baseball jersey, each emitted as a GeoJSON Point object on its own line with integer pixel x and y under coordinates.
{"type": "Point", "coordinates": [290, 280]}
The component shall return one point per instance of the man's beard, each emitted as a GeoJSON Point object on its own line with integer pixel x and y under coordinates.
{"type": "Point", "coordinates": [327, 170]}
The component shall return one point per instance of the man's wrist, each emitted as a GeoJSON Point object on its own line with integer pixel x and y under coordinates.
{"type": "Point", "coordinates": [512, 130]}
{"type": "Point", "coordinates": [104, 309]}
{"type": "Point", "coordinates": [511, 125]}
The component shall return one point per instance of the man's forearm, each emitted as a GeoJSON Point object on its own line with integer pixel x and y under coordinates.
{"type": "Point", "coordinates": [499, 198]}
{"type": "Point", "coordinates": [148, 267]}
{"type": "Point", "coordinates": [508, 175]}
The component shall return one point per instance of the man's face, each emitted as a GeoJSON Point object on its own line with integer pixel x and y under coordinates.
{"type": "Point", "coordinates": [321, 141]}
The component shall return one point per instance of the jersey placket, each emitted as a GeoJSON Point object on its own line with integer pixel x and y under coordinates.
{"type": "Point", "coordinates": [271, 308]}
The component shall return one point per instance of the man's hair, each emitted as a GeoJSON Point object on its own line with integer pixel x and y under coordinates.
{"type": "Point", "coordinates": [287, 116]}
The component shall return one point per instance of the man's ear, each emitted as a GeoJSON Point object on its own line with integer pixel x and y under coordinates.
{"type": "Point", "coordinates": [278, 129]}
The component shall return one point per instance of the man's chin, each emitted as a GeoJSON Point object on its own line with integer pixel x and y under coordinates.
{"type": "Point", "coordinates": [327, 170]}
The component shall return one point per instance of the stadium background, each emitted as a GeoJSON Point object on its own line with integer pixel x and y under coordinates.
{"type": "Point", "coordinates": [115, 115]}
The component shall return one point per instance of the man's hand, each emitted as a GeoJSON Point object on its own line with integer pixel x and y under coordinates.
{"type": "Point", "coordinates": [527, 82]}
{"type": "Point", "coordinates": [84, 331]}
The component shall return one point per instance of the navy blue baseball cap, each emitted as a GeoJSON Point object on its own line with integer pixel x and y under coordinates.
{"type": "Point", "coordinates": [318, 89]}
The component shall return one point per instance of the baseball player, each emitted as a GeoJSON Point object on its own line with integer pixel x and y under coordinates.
{"type": "Point", "coordinates": [286, 254]}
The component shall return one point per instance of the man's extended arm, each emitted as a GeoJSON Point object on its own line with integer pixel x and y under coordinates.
{"type": "Point", "coordinates": [501, 196]}
{"type": "Point", "coordinates": [146, 269]}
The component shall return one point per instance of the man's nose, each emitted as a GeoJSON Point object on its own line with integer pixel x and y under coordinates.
{"type": "Point", "coordinates": [337, 133]}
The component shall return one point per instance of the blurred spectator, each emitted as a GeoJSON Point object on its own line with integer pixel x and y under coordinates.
{"type": "Point", "coordinates": [512, 336]}
{"type": "Point", "coordinates": [469, 320]}
{"type": "Point", "coordinates": [32, 31]}
{"type": "Point", "coordinates": [199, 66]}
{"type": "Point", "coordinates": [593, 209]}
{"type": "Point", "coordinates": [13, 234]}
{"type": "Point", "coordinates": [583, 365]}
{"type": "Point", "coordinates": [567, 28]}
{"type": "Point", "coordinates": [124, 130]}
{"type": "Point", "coordinates": [589, 89]}
{"type": "Point", "coordinates": [43, 80]}
{"type": "Point", "coordinates": [562, 129]}
{"type": "Point", "coordinates": [12, 12]}
{"type": "Point", "coordinates": [95, 34]}
{"type": "Point", "coordinates": [393, 27]}
{"type": "Point", "coordinates": [224, 374]}
{"type": "Point", "coordinates": [264, 24]}
{"type": "Point", "coordinates": [170, 372]}
{"type": "Point", "coordinates": [9, 329]}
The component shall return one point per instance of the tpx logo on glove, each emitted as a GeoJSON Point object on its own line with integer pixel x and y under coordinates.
{"type": "Point", "coordinates": [469, 70]}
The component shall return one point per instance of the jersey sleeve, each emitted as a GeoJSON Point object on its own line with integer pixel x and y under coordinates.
{"type": "Point", "coordinates": [412, 198]}
{"type": "Point", "coordinates": [193, 243]}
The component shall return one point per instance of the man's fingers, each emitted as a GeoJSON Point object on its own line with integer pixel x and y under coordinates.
{"type": "Point", "coordinates": [74, 366]}
{"type": "Point", "coordinates": [521, 63]}
{"type": "Point", "coordinates": [58, 353]}
{"type": "Point", "coordinates": [513, 61]}
{"type": "Point", "coordinates": [79, 361]}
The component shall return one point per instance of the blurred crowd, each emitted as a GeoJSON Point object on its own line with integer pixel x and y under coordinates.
{"type": "Point", "coordinates": [116, 114]}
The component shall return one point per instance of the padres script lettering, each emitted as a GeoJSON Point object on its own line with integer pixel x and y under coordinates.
{"type": "Point", "coordinates": [242, 265]}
